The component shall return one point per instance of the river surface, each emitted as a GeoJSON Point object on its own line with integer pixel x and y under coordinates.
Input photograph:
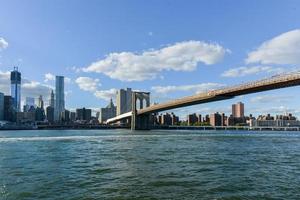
{"type": "Point", "coordinates": [120, 164]}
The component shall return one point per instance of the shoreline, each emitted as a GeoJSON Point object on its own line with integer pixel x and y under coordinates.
{"type": "Point", "coordinates": [101, 127]}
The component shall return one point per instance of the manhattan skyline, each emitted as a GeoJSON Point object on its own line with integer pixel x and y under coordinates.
{"type": "Point", "coordinates": [171, 52]}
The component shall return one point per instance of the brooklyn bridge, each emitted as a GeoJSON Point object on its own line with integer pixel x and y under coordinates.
{"type": "Point", "coordinates": [140, 118]}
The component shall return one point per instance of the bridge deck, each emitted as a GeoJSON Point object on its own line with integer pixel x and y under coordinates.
{"type": "Point", "coordinates": [275, 82]}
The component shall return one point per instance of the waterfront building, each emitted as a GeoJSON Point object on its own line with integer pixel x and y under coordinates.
{"type": "Point", "coordinates": [15, 80]}
{"type": "Point", "coordinates": [72, 116]}
{"type": "Point", "coordinates": [158, 119]}
{"type": "Point", "coordinates": [50, 114]}
{"type": "Point", "coordinates": [108, 112]}
{"type": "Point", "coordinates": [223, 119]}
{"type": "Point", "coordinates": [29, 102]}
{"type": "Point", "coordinates": [25, 117]}
{"type": "Point", "coordinates": [175, 119]}
{"type": "Point", "coordinates": [83, 114]}
{"type": "Point", "coordinates": [206, 119]}
{"type": "Point", "coordinates": [1, 106]}
{"type": "Point", "coordinates": [193, 118]}
{"type": "Point", "coordinates": [166, 119]}
{"type": "Point", "coordinates": [39, 114]}
{"type": "Point", "coordinates": [230, 121]}
{"type": "Point", "coordinates": [52, 100]}
{"type": "Point", "coordinates": [215, 119]}
{"type": "Point", "coordinates": [41, 102]}
{"type": "Point", "coordinates": [97, 115]}
{"type": "Point", "coordinates": [9, 111]}
{"type": "Point", "coordinates": [59, 97]}
{"type": "Point", "coordinates": [65, 116]}
{"type": "Point", "coordinates": [278, 121]}
{"type": "Point", "coordinates": [124, 101]}
{"type": "Point", "coordinates": [238, 110]}
{"type": "Point", "coordinates": [238, 115]}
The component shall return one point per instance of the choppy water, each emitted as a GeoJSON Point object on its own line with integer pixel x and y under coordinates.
{"type": "Point", "coordinates": [116, 164]}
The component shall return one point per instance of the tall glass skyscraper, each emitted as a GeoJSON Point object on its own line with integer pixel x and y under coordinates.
{"type": "Point", "coordinates": [15, 89]}
{"type": "Point", "coordinates": [59, 97]}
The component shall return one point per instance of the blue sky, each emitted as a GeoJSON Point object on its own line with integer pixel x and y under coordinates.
{"type": "Point", "coordinates": [178, 47]}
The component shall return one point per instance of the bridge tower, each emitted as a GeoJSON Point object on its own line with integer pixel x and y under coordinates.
{"type": "Point", "coordinates": [140, 122]}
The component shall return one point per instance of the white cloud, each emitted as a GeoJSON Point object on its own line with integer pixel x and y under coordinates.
{"type": "Point", "coordinates": [49, 77]}
{"type": "Point", "coordinates": [106, 94]}
{"type": "Point", "coordinates": [244, 71]}
{"type": "Point", "coordinates": [275, 110]}
{"type": "Point", "coordinates": [183, 56]}
{"type": "Point", "coordinates": [271, 98]}
{"type": "Point", "coordinates": [3, 43]}
{"type": "Point", "coordinates": [197, 88]}
{"type": "Point", "coordinates": [92, 85]}
{"type": "Point", "coordinates": [87, 83]}
{"type": "Point", "coordinates": [34, 89]}
{"type": "Point", "coordinates": [283, 49]}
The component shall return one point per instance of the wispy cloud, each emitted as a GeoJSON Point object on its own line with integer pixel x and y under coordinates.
{"type": "Point", "coordinates": [271, 98]}
{"type": "Point", "coordinates": [251, 70]}
{"type": "Point", "coordinates": [51, 77]}
{"type": "Point", "coordinates": [196, 88]}
{"type": "Point", "coordinates": [3, 43]}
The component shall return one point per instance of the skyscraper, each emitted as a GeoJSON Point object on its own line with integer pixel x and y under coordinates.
{"type": "Point", "coordinates": [238, 110]}
{"type": "Point", "coordinates": [1, 106]}
{"type": "Point", "coordinates": [9, 111]}
{"type": "Point", "coordinates": [124, 101]}
{"type": "Point", "coordinates": [59, 97]}
{"type": "Point", "coordinates": [29, 104]}
{"type": "Point", "coordinates": [50, 108]}
{"type": "Point", "coordinates": [52, 102]}
{"type": "Point", "coordinates": [41, 102]}
{"type": "Point", "coordinates": [29, 101]}
{"type": "Point", "coordinates": [15, 89]}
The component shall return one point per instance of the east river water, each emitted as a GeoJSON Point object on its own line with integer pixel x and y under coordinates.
{"type": "Point", "coordinates": [120, 164]}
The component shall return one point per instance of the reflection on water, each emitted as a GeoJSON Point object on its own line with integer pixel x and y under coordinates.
{"type": "Point", "coordinates": [119, 164]}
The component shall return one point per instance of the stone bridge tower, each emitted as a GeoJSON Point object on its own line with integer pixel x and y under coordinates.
{"type": "Point", "coordinates": [140, 100]}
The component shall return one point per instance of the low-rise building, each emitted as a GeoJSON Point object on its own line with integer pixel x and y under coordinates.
{"type": "Point", "coordinates": [193, 119]}
{"type": "Point", "coordinates": [83, 114]}
{"type": "Point", "coordinates": [216, 119]}
{"type": "Point", "coordinates": [279, 121]}
{"type": "Point", "coordinates": [25, 117]}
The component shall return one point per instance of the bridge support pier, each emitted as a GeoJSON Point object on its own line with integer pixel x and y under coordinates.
{"type": "Point", "coordinates": [140, 122]}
